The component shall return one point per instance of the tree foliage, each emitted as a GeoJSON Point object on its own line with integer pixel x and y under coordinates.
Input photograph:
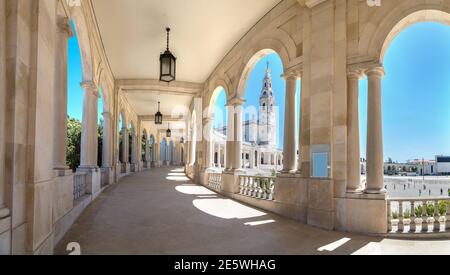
{"type": "Point", "coordinates": [73, 143]}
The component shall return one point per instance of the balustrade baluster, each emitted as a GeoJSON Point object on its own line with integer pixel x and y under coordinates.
{"type": "Point", "coordinates": [437, 217]}
{"type": "Point", "coordinates": [412, 225]}
{"type": "Point", "coordinates": [389, 215]}
{"type": "Point", "coordinates": [401, 226]}
{"type": "Point", "coordinates": [424, 217]}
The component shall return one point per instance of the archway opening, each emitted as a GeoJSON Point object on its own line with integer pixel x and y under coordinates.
{"type": "Point", "coordinates": [264, 113]}
{"type": "Point", "coordinates": [144, 145]}
{"type": "Point", "coordinates": [74, 101]}
{"type": "Point", "coordinates": [219, 132]}
{"type": "Point", "coordinates": [163, 151]}
{"type": "Point", "coordinates": [415, 99]}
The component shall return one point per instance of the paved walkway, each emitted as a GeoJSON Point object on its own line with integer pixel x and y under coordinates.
{"type": "Point", "coordinates": [161, 212]}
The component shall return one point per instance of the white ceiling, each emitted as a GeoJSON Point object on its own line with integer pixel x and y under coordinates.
{"type": "Point", "coordinates": [145, 103]}
{"type": "Point", "coordinates": [203, 31]}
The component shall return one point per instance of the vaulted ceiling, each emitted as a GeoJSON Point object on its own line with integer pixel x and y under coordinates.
{"type": "Point", "coordinates": [203, 31]}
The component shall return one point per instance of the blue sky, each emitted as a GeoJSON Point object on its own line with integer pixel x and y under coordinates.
{"type": "Point", "coordinates": [416, 93]}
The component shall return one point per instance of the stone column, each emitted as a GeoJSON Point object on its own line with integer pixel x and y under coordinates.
{"type": "Point", "coordinates": [237, 148]}
{"type": "Point", "coordinates": [89, 133]}
{"type": "Point", "coordinates": [290, 150]}
{"type": "Point", "coordinates": [230, 138]}
{"type": "Point", "coordinates": [353, 146]}
{"type": "Point", "coordinates": [124, 145]}
{"type": "Point", "coordinates": [167, 153]}
{"type": "Point", "coordinates": [209, 142]}
{"type": "Point", "coordinates": [147, 151]}
{"type": "Point", "coordinates": [107, 140]}
{"type": "Point", "coordinates": [134, 159]}
{"type": "Point", "coordinates": [375, 177]}
{"type": "Point", "coordinates": [60, 95]}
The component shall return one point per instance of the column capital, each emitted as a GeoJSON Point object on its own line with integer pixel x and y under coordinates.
{"type": "Point", "coordinates": [355, 73]}
{"type": "Point", "coordinates": [64, 26]}
{"type": "Point", "coordinates": [235, 102]}
{"type": "Point", "coordinates": [376, 70]}
{"type": "Point", "coordinates": [292, 74]}
{"type": "Point", "coordinates": [90, 86]}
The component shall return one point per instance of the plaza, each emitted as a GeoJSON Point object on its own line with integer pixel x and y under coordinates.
{"type": "Point", "coordinates": [162, 178]}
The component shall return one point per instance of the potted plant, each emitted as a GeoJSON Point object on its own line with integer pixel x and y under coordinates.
{"type": "Point", "coordinates": [394, 220]}
{"type": "Point", "coordinates": [407, 217]}
{"type": "Point", "coordinates": [430, 213]}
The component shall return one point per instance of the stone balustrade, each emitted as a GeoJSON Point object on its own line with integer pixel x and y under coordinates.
{"type": "Point", "coordinates": [260, 187]}
{"type": "Point", "coordinates": [215, 181]}
{"type": "Point", "coordinates": [79, 185]}
{"type": "Point", "coordinates": [418, 215]}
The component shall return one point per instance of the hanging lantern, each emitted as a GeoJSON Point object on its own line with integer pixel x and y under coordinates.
{"type": "Point", "coordinates": [158, 116]}
{"type": "Point", "coordinates": [168, 63]}
{"type": "Point", "coordinates": [168, 132]}
{"type": "Point", "coordinates": [182, 140]}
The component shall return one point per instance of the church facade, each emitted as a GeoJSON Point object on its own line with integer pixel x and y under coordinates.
{"type": "Point", "coordinates": [259, 147]}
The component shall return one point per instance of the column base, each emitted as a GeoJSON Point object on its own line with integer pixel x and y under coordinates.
{"type": "Point", "coordinates": [291, 172]}
{"type": "Point", "coordinates": [354, 191]}
{"type": "Point", "coordinates": [375, 191]}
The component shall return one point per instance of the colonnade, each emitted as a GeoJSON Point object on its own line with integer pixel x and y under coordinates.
{"type": "Point", "coordinates": [375, 181]}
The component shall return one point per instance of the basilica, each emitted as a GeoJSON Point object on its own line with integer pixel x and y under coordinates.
{"type": "Point", "coordinates": [259, 144]}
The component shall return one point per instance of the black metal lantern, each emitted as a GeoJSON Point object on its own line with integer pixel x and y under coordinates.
{"type": "Point", "coordinates": [182, 140]}
{"type": "Point", "coordinates": [168, 132]}
{"type": "Point", "coordinates": [168, 63]}
{"type": "Point", "coordinates": [158, 116]}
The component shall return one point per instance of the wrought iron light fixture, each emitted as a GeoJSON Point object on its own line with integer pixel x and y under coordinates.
{"type": "Point", "coordinates": [168, 63]}
{"type": "Point", "coordinates": [182, 140]}
{"type": "Point", "coordinates": [168, 132]}
{"type": "Point", "coordinates": [158, 116]}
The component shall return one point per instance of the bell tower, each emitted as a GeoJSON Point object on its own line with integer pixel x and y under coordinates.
{"type": "Point", "coordinates": [267, 134]}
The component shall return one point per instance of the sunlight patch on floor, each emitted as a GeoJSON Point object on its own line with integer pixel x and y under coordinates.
{"type": "Point", "coordinates": [259, 223]}
{"type": "Point", "coordinates": [194, 190]}
{"type": "Point", "coordinates": [333, 246]}
{"type": "Point", "coordinates": [226, 209]}
{"type": "Point", "coordinates": [177, 178]}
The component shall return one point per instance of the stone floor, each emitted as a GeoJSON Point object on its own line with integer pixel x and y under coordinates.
{"type": "Point", "coordinates": [161, 212]}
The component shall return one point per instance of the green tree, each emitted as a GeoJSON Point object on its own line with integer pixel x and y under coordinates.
{"type": "Point", "coordinates": [100, 145]}
{"type": "Point", "coordinates": [73, 143]}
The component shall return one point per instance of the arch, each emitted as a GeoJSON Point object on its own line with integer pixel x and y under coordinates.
{"type": "Point", "coordinates": [82, 30]}
{"type": "Point", "coordinates": [213, 99]}
{"type": "Point", "coordinates": [386, 23]}
{"type": "Point", "coordinates": [249, 61]}
{"type": "Point", "coordinates": [171, 148]}
{"type": "Point", "coordinates": [163, 149]}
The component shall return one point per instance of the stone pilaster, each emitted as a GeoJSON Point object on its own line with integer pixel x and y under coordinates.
{"type": "Point", "coordinates": [64, 31]}
{"type": "Point", "coordinates": [107, 140]}
{"type": "Point", "coordinates": [125, 145]}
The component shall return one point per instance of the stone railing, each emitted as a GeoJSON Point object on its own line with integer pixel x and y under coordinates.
{"type": "Point", "coordinates": [418, 215]}
{"type": "Point", "coordinates": [260, 187]}
{"type": "Point", "coordinates": [215, 181]}
{"type": "Point", "coordinates": [79, 185]}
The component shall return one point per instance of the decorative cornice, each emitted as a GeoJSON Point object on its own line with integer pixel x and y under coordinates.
{"type": "Point", "coordinates": [312, 3]}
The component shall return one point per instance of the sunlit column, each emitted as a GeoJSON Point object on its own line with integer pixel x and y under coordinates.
{"type": "Point", "coordinates": [89, 133]}
{"type": "Point", "coordinates": [124, 145]}
{"type": "Point", "coordinates": [209, 122]}
{"type": "Point", "coordinates": [238, 138]}
{"type": "Point", "coordinates": [107, 140]}
{"type": "Point", "coordinates": [230, 138]}
{"type": "Point", "coordinates": [290, 151]}
{"type": "Point", "coordinates": [375, 183]}
{"type": "Point", "coordinates": [353, 146]}
{"type": "Point", "coordinates": [134, 150]}
{"type": "Point", "coordinates": [64, 31]}
{"type": "Point", "coordinates": [147, 150]}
